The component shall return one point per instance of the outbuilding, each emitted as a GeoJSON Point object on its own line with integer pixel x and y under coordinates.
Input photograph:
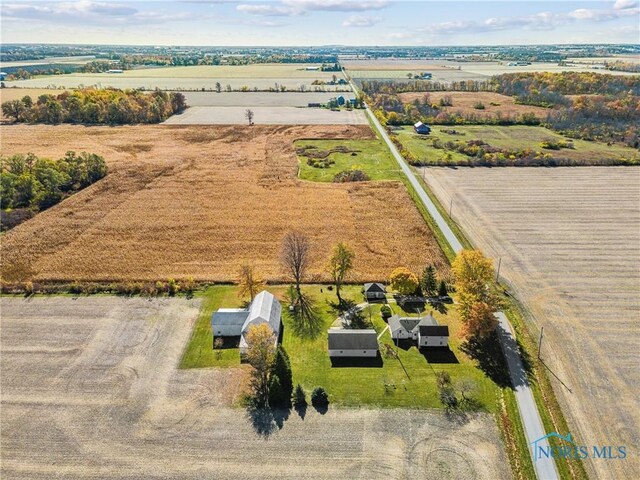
{"type": "Point", "coordinates": [353, 343]}
{"type": "Point", "coordinates": [422, 129]}
{"type": "Point", "coordinates": [374, 291]}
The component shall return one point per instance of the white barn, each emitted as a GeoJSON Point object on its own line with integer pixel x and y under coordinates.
{"type": "Point", "coordinates": [353, 343]}
{"type": "Point", "coordinates": [424, 331]}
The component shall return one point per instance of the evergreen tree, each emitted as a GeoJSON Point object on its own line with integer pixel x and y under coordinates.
{"type": "Point", "coordinates": [281, 368]}
{"type": "Point", "coordinates": [442, 289]}
{"type": "Point", "coordinates": [428, 281]}
{"type": "Point", "coordinates": [277, 395]}
{"type": "Point", "coordinates": [299, 397]}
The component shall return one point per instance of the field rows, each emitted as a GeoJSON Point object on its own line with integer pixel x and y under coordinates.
{"type": "Point", "coordinates": [569, 244]}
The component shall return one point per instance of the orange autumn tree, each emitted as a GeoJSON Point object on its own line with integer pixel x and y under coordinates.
{"type": "Point", "coordinates": [473, 273]}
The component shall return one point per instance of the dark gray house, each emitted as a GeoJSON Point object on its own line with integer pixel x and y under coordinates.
{"type": "Point", "coordinates": [422, 129]}
{"type": "Point", "coordinates": [353, 343]}
{"type": "Point", "coordinates": [375, 291]}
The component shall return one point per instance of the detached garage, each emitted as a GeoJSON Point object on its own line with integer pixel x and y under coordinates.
{"type": "Point", "coordinates": [353, 343]}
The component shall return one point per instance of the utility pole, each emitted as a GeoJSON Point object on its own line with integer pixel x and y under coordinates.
{"type": "Point", "coordinates": [498, 272]}
{"type": "Point", "coordinates": [540, 341]}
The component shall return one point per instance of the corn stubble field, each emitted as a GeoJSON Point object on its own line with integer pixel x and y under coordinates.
{"type": "Point", "coordinates": [197, 202]}
{"type": "Point", "coordinates": [568, 238]}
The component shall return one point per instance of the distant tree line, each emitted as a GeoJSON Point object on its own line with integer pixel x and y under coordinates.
{"type": "Point", "coordinates": [96, 106]}
{"type": "Point", "coordinates": [29, 182]}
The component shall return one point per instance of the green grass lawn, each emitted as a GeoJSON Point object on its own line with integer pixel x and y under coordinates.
{"type": "Point", "coordinates": [412, 374]}
{"type": "Point", "coordinates": [510, 137]}
{"type": "Point", "coordinates": [372, 156]}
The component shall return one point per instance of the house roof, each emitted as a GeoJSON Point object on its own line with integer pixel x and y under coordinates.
{"type": "Point", "coordinates": [230, 316]}
{"type": "Point", "coordinates": [434, 330]}
{"type": "Point", "coordinates": [265, 308]}
{"type": "Point", "coordinates": [410, 324]}
{"type": "Point", "coordinates": [419, 124]}
{"type": "Point", "coordinates": [353, 339]}
{"type": "Point", "coordinates": [374, 287]}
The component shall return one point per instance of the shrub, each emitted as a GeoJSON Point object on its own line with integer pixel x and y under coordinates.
{"type": "Point", "coordinates": [478, 106]}
{"type": "Point", "coordinates": [351, 176]}
{"type": "Point", "coordinates": [385, 311]}
{"type": "Point", "coordinates": [319, 397]}
{"type": "Point", "coordinates": [299, 397]}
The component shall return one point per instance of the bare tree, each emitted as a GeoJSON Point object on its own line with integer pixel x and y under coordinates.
{"type": "Point", "coordinates": [296, 257]}
{"type": "Point", "coordinates": [249, 115]}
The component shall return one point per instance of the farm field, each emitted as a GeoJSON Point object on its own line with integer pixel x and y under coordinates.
{"type": "Point", "coordinates": [90, 388]}
{"type": "Point", "coordinates": [568, 239]}
{"type": "Point", "coordinates": [413, 376]}
{"type": "Point", "coordinates": [513, 137]}
{"type": "Point", "coordinates": [464, 102]}
{"type": "Point", "coordinates": [267, 116]}
{"type": "Point", "coordinates": [370, 156]}
{"type": "Point", "coordinates": [261, 76]}
{"type": "Point", "coordinates": [77, 59]}
{"type": "Point", "coordinates": [218, 196]}
{"type": "Point", "coordinates": [256, 99]}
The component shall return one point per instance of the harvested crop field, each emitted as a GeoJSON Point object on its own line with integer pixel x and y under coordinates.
{"type": "Point", "coordinates": [267, 116]}
{"type": "Point", "coordinates": [465, 102]}
{"type": "Point", "coordinates": [569, 239]}
{"type": "Point", "coordinates": [90, 389]}
{"type": "Point", "coordinates": [256, 99]}
{"type": "Point", "coordinates": [199, 201]}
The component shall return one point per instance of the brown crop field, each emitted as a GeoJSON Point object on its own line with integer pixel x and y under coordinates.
{"type": "Point", "coordinates": [569, 239]}
{"type": "Point", "coordinates": [464, 102]}
{"type": "Point", "coordinates": [196, 202]}
{"type": "Point", "coordinates": [91, 389]}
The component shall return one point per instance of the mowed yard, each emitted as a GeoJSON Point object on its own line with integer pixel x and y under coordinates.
{"type": "Point", "coordinates": [512, 138]}
{"type": "Point", "coordinates": [570, 249]}
{"type": "Point", "coordinates": [197, 202]}
{"type": "Point", "coordinates": [407, 382]}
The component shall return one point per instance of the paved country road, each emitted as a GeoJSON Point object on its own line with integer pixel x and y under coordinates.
{"type": "Point", "coordinates": [534, 430]}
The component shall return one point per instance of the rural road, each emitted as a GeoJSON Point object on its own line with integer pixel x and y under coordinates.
{"type": "Point", "coordinates": [545, 467]}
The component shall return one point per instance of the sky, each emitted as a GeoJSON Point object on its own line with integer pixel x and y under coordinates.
{"type": "Point", "coordinates": [319, 22]}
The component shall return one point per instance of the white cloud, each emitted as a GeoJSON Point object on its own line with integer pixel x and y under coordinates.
{"type": "Point", "coordinates": [361, 21]}
{"type": "Point", "coordinates": [291, 8]}
{"type": "Point", "coordinates": [624, 4]}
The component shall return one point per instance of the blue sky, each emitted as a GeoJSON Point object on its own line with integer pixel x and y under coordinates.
{"type": "Point", "coordinates": [319, 22]}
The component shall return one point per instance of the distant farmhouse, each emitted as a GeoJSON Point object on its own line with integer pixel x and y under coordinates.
{"type": "Point", "coordinates": [374, 291]}
{"type": "Point", "coordinates": [353, 343]}
{"type": "Point", "coordinates": [115, 70]}
{"type": "Point", "coordinates": [235, 322]}
{"type": "Point", "coordinates": [422, 128]}
{"type": "Point", "coordinates": [425, 331]}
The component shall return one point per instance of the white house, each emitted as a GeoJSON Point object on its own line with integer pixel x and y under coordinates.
{"type": "Point", "coordinates": [353, 343]}
{"type": "Point", "coordinates": [424, 331]}
{"type": "Point", "coordinates": [235, 322]}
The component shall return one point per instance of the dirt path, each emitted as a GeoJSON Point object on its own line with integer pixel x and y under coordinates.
{"type": "Point", "coordinates": [90, 390]}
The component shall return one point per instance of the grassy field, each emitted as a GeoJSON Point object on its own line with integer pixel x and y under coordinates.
{"type": "Point", "coordinates": [512, 138]}
{"type": "Point", "coordinates": [371, 156]}
{"type": "Point", "coordinates": [569, 249]}
{"type": "Point", "coordinates": [218, 197]}
{"type": "Point", "coordinates": [412, 376]}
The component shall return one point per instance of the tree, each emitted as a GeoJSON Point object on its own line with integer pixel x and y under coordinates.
{"type": "Point", "coordinates": [472, 271]}
{"type": "Point", "coordinates": [249, 282]}
{"type": "Point", "coordinates": [15, 109]}
{"type": "Point", "coordinates": [403, 281]}
{"type": "Point", "coordinates": [277, 395]}
{"type": "Point", "coordinates": [249, 115]}
{"type": "Point", "coordinates": [339, 266]}
{"type": "Point", "coordinates": [299, 398]}
{"type": "Point", "coordinates": [481, 320]}
{"type": "Point", "coordinates": [218, 87]}
{"type": "Point", "coordinates": [296, 257]}
{"type": "Point", "coordinates": [260, 354]}
{"type": "Point", "coordinates": [442, 289]}
{"type": "Point", "coordinates": [428, 281]}
{"type": "Point", "coordinates": [281, 368]}
{"type": "Point", "coordinates": [319, 397]}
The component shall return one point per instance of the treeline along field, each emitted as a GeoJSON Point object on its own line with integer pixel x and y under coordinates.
{"type": "Point", "coordinates": [96, 106]}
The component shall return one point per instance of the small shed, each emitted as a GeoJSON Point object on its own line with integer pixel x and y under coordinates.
{"type": "Point", "coordinates": [353, 343]}
{"type": "Point", "coordinates": [374, 291]}
{"type": "Point", "coordinates": [422, 129]}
